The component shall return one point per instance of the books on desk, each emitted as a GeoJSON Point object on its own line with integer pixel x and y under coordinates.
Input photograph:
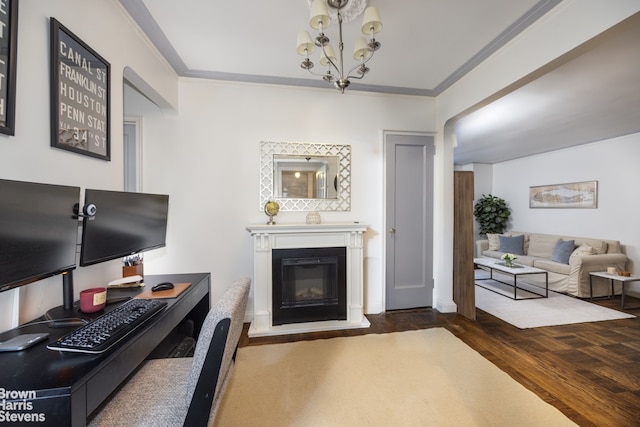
{"type": "Point", "coordinates": [127, 282]}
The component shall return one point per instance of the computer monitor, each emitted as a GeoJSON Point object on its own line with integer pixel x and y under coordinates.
{"type": "Point", "coordinates": [38, 231]}
{"type": "Point", "coordinates": [124, 224]}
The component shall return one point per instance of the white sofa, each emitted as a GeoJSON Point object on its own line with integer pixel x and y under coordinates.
{"type": "Point", "coordinates": [571, 278]}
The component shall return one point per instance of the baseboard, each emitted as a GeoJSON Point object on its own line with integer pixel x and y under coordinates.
{"type": "Point", "coordinates": [446, 306]}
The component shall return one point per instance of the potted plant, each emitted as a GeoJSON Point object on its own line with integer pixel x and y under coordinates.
{"type": "Point", "coordinates": [508, 259]}
{"type": "Point", "coordinates": [492, 213]}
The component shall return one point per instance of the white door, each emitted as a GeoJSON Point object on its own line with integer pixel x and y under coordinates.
{"type": "Point", "coordinates": [409, 220]}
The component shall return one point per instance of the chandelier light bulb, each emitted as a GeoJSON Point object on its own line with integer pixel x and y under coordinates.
{"type": "Point", "coordinates": [319, 15]}
{"type": "Point", "coordinates": [371, 23]}
{"type": "Point", "coordinates": [361, 50]}
{"type": "Point", "coordinates": [328, 55]}
{"type": "Point", "coordinates": [305, 44]}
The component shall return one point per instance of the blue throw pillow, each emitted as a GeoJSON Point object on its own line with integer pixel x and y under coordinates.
{"type": "Point", "coordinates": [512, 245]}
{"type": "Point", "coordinates": [563, 250]}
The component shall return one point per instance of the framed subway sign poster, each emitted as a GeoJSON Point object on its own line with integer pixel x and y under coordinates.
{"type": "Point", "coordinates": [80, 96]}
{"type": "Point", "coordinates": [8, 51]}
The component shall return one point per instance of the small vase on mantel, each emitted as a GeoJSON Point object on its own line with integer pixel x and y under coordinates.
{"type": "Point", "coordinates": [313, 218]}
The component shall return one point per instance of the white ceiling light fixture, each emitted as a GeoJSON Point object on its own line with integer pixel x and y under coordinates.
{"type": "Point", "coordinates": [345, 11]}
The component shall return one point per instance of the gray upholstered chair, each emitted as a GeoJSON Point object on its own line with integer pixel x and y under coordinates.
{"type": "Point", "coordinates": [183, 391]}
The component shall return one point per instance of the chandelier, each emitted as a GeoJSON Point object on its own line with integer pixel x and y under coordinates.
{"type": "Point", "coordinates": [345, 11]}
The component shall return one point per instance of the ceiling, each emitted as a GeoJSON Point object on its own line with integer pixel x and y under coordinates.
{"type": "Point", "coordinates": [591, 93]}
{"type": "Point", "coordinates": [427, 45]}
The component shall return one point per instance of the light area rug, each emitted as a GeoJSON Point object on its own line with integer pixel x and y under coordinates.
{"type": "Point", "coordinates": [557, 309]}
{"type": "Point", "coordinates": [416, 378]}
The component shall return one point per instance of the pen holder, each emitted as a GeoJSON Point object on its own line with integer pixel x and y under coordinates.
{"type": "Point", "coordinates": [132, 270]}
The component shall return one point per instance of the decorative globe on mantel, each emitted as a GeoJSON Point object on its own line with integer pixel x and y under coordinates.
{"type": "Point", "coordinates": [271, 208]}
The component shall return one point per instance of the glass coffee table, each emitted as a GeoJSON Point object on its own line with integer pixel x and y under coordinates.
{"type": "Point", "coordinates": [516, 271]}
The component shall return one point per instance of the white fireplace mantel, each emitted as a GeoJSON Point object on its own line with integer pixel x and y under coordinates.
{"type": "Point", "coordinates": [290, 236]}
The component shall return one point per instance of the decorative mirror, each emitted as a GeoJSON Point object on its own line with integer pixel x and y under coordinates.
{"type": "Point", "coordinates": [305, 177]}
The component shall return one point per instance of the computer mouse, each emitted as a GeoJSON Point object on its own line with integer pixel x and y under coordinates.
{"type": "Point", "coordinates": [164, 286]}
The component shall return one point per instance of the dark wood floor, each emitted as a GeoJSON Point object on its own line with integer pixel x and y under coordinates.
{"type": "Point", "coordinates": [589, 371]}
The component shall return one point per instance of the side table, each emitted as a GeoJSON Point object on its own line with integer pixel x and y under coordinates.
{"type": "Point", "coordinates": [613, 277]}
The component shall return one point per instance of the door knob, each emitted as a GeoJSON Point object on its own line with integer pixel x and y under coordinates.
{"type": "Point", "coordinates": [392, 230]}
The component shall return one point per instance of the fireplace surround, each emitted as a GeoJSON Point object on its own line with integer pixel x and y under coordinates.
{"type": "Point", "coordinates": [303, 245]}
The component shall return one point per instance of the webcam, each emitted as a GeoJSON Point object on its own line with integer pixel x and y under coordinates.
{"type": "Point", "coordinates": [88, 210]}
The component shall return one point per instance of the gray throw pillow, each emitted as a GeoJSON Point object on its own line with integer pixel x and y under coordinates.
{"type": "Point", "coordinates": [512, 245]}
{"type": "Point", "coordinates": [563, 250]}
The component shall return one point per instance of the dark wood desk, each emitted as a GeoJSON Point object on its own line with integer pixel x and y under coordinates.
{"type": "Point", "coordinates": [64, 387]}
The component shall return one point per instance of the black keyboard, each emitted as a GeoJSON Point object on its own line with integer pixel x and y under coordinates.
{"type": "Point", "coordinates": [110, 328]}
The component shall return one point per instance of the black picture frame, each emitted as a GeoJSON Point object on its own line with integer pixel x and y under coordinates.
{"type": "Point", "coordinates": [8, 54]}
{"type": "Point", "coordinates": [80, 95]}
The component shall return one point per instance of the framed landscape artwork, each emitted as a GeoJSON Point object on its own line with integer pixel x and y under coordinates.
{"type": "Point", "coordinates": [571, 195]}
{"type": "Point", "coordinates": [79, 96]}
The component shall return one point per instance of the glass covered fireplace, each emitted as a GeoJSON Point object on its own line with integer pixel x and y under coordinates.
{"type": "Point", "coordinates": [309, 284]}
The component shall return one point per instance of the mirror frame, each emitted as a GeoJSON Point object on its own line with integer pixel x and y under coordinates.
{"type": "Point", "coordinates": [268, 149]}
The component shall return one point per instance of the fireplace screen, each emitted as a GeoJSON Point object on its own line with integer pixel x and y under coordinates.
{"type": "Point", "coordinates": [309, 281]}
{"type": "Point", "coordinates": [309, 285]}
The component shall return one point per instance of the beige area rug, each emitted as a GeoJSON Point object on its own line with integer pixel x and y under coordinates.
{"type": "Point", "coordinates": [416, 378]}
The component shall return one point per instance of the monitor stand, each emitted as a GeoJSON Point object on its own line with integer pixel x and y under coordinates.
{"type": "Point", "coordinates": [58, 317]}
{"type": "Point", "coordinates": [67, 314]}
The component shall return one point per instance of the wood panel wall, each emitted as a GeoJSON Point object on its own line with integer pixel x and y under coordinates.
{"type": "Point", "coordinates": [463, 277]}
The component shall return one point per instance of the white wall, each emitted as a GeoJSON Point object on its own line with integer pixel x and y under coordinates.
{"type": "Point", "coordinates": [207, 158]}
{"type": "Point", "coordinates": [28, 156]}
{"type": "Point", "coordinates": [613, 163]}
